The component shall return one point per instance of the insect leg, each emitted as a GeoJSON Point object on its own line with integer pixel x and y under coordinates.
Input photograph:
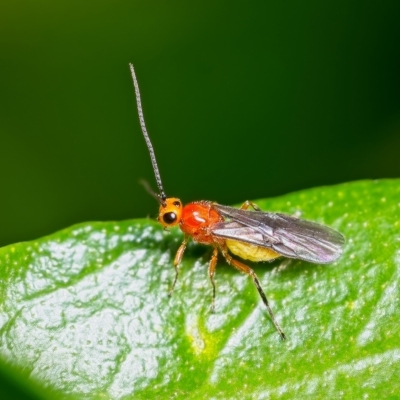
{"type": "Point", "coordinates": [177, 261]}
{"type": "Point", "coordinates": [247, 270]}
{"type": "Point", "coordinates": [211, 274]}
{"type": "Point", "coordinates": [248, 204]}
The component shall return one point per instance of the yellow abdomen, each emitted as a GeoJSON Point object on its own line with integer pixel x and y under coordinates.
{"type": "Point", "coordinates": [251, 252]}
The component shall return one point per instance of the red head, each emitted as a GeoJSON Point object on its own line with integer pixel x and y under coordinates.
{"type": "Point", "coordinates": [170, 212]}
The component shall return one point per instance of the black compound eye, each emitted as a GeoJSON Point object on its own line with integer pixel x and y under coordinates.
{"type": "Point", "coordinates": [169, 217]}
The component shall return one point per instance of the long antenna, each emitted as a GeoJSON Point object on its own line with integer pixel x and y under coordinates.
{"type": "Point", "coordinates": [162, 194]}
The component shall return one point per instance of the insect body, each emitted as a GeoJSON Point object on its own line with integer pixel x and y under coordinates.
{"type": "Point", "coordinates": [250, 234]}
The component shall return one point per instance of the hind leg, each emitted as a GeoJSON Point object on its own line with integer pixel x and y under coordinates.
{"type": "Point", "coordinates": [248, 204]}
{"type": "Point", "coordinates": [248, 271]}
{"type": "Point", "coordinates": [177, 261]}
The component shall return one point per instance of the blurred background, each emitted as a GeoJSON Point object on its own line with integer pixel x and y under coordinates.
{"type": "Point", "coordinates": [242, 101]}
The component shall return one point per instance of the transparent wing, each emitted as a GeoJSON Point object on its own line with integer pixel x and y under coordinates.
{"type": "Point", "coordinates": [287, 235]}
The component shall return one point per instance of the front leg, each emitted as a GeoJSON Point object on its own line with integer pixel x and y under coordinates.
{"type": "Point", "coordinates": [177, 261]}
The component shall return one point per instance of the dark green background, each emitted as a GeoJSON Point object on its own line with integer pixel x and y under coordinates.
{"type": "Point", "coordinates": [242, 100]}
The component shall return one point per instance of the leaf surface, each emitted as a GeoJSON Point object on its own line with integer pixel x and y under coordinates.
{"type": "Point", "coordinates": [85, 311]}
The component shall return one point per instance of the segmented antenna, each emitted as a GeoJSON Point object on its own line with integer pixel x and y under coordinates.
{"type": "Point", "coordinates": [162, 194]}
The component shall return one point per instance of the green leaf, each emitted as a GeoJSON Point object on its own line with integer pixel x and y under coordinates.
{"type": "Point", "coordinates": [85, 311]}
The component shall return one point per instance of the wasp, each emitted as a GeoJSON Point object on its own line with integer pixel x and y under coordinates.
{"type": "Point", "coordinates": [250, 234]}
